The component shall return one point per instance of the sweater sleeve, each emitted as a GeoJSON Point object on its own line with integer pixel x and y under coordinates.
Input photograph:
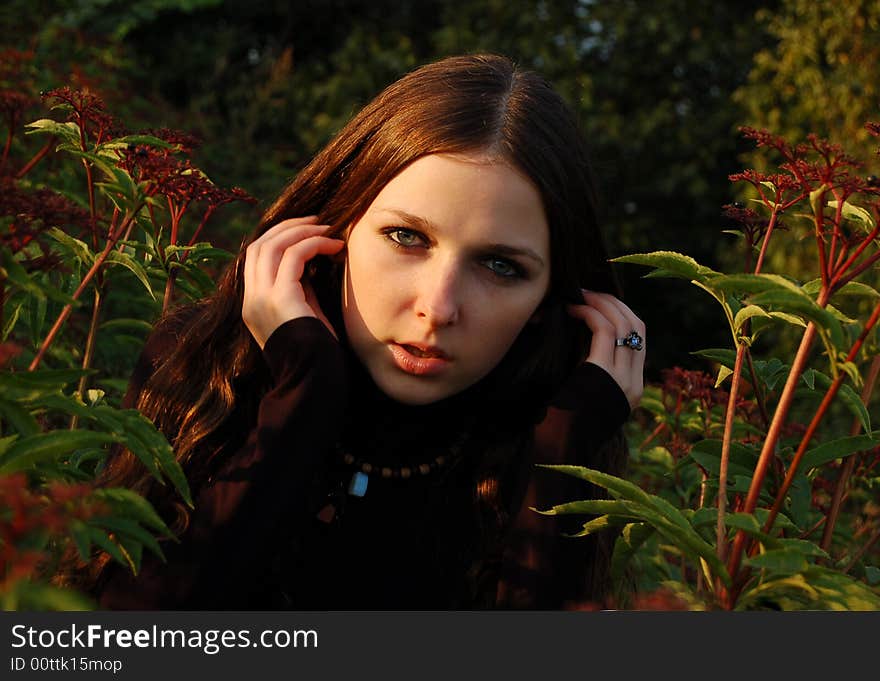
{"type": "Point", "coordinates": [541, 568]}
{"type": "Point", "coordinates": [259, 494]}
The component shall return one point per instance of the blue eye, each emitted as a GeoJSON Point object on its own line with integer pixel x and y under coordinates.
{"type": "Point", "coordinates": [503, 268]}
{"type": "Point", "coordinates": [404, 237]}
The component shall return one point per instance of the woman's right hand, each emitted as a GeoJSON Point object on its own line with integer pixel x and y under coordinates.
{"type": "Point", "coordinates": [274, 292]}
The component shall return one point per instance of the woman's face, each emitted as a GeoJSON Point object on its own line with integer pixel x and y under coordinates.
{"type": "Point", "coordinates": [443, 271]}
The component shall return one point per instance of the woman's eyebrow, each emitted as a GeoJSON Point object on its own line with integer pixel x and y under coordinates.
{"type": "Point", "coordinates": [427, 226]}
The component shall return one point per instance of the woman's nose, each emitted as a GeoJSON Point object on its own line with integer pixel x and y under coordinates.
{"type": "Point", "coordinates": [438, 299]}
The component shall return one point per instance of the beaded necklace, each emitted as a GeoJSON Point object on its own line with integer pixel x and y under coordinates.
{"type": "Point", "coordinates": [362, 470]}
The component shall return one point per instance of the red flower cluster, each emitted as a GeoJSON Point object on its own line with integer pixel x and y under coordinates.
{"type": "Point", "coordinates": [27, 514]}
{"type": "Point", "coordinates": [14, 97]}
{"type": "Point", "coordinates": [32, 212]}
{"type": "Point", "coordinates": [88, 112]}
{"type": "Point", "coordinates": [693, 385]}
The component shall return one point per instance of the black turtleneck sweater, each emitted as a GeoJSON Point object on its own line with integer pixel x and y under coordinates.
{"type": "Point", "coordinates": [274, 528]}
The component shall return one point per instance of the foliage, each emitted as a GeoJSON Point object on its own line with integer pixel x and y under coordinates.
{"type": "Point", "coordinates": [267, 84]}
{"type": "Point", "coordinates": [732, 488]}
{"type": "Point", "coordinates": [83, 276]}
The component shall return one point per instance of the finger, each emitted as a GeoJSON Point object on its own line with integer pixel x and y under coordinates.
{"type": "Point", "coordinates": [606, 306]}
{"type": "Point", "coordinates": [285, 225]}
{"type": "Point", "coordinates": [636, 324]}
{"type": "Point", "coordinates": [294, 259]}
{"type": "Point", "coordinates": [269, 252]}
{"type": "Point", "coordinates": [601, 350]}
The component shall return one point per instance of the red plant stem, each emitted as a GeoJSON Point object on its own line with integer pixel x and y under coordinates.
{"type": "Point", "coordinates": [773, 434]}
{"type": "Point", "coordinates": [2, 299]}
{"type": "Point", "coordinates": [838, 216]}
{"type": "Point", "coordinates": [27, 167]}
{"type": "Point", "coordinates": [857, 270]}
{"type": "Point", "coordinates": [89, 352]}
{"type": "Point", "coordinates": [169, 290]}
{"type": "Point", "coordinates": [867, 241]}
{"type": "Point", "coordinates": [759, 396]}
{"type": "Point", "coordinates": [659, 429]}
{"type": "Point", "coordinates": [816, 526]}
{"type": "Point", "coordinates": [205, 218]}
{"type": "Point", "coordinates": [830, 394]}
{"type": "Point", "coordinates": [770, 225]}
{"type": "Point", "coordinates": [843, 481]}
{"type": "Point", "coordinates": [6, 147]}
{"type": "Point", "coordinates": [819, 221]}
{"type": "Point", "coordinates": [90, 183]}
{"type": "Point", "coordinates": [65, 312]}
{"type": "Point", "coordinates": [721, 529]}
{"type": "Point", "coordinates": [862, 551]}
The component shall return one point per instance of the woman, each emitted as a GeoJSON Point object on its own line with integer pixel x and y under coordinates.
{"type": "Point", "coordinates": [360, 406]}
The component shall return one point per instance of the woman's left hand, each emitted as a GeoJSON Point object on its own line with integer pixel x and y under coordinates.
{"type": "Point", "coordinates": [609, 319]}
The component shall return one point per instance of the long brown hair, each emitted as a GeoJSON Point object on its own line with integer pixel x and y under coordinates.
{"type": "Point", "coordinates": [458, 105]}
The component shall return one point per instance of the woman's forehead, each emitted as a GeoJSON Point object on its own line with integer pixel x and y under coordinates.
{"type": "Point", "coordinates": [451, 194]}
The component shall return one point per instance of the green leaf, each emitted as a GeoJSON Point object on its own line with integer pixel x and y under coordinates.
{"type": "Point", "coordinates": [673, 264]}
{"type": "Point", "coordinates": [838, 449]}
{"type": "Point", "coordinates": [779, 561]}
{"type": "Point", "coordinates": [849, 397]}
{"type": "Point", "coordinates": [9, 323]}
{"type": "Point", "coordinates": [707, 453]}
{"type": "Point", "coordinates": [39, 382]}
{"type": "Point", "coordinates": [657, 456]}
{"type": "Point", "coordinates": [100, 538]}
{"type": "Point", "coordinates": [114, 257]}
{"type": "Point", "coordinates": [36, 597]}
{"type": "Point", "coordinates": [50, 446]}
{"type": "Point", "coordinates": [127, 140]}
{"type": "Point", "coordinates": [723, 356]}
{"type": "Point", "coordinates": [754, 283]}
{"type": "Point", "coordinates": [723, 373]}
{"type": "Point", "coordinates": [68, 132]}
{"type": "Point", "coordinates": [594, 506]}
{"type": "Point", "coordinates": [140, 325]}
{"type": "Point", "coordinates": [81, 536]}
{"type": "Point", "coordinates": [800, 499]}
{"type": "Point", "coordinates": [79, 249]}
{"type": "Point", "coordinates": [747, 312]}
{"type": "Point", "coordinates": [771, 290]}
{"type": "Point", "coordinates": [124, 526]}
{"type": "Point", "coordinates": [750, 525]}
{"type": "Point", "coordinates": [807, 548]}
{"type": "Point", "coordinates": [603, 522]}
{"type": "Point", "coordinates": [790, 318]}
{"type": "Point", "coordinates": [663, 516]}
{"type": "Point", "coordinates": [803, 306]}
{"type": "Point", "coordinates": [128, 502]}
{"type": "Point", "coordinates": [18, 417]}
{"type": "Point", "coordinates": [20, 277]}
{"type": "Point", "coordinates": [152, 448]}
{"type": "Point", "coordinates": [631, 538]}
{"type": "Point", "coordinates": [855, 213]}
{"type": "Point", "coordinates": [133, 550]}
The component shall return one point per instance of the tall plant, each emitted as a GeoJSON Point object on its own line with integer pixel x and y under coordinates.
{"type": "Point", "coordinates": [71, 265]}
{"type": "Point", "coordinates": [742, 492]}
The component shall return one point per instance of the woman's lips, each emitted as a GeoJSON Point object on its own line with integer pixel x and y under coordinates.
{"type": "Point", "coordinates": [418, 361]}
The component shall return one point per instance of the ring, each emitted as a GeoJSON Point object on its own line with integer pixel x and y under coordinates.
{"type": "Point", "coordinates": [633, 341]}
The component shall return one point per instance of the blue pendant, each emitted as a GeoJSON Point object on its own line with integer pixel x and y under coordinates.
{"type": "Point", "coordinates": [358, 484]}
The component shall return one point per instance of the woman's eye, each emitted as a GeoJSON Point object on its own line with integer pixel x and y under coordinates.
{"type": "Point", "coordinates": [503, 268]}
{"type": "Point", "coordinates": [404, 237]}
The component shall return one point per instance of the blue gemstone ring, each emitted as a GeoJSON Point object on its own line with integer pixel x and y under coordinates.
{"type": "Point", "coordinates": [633, 341]}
